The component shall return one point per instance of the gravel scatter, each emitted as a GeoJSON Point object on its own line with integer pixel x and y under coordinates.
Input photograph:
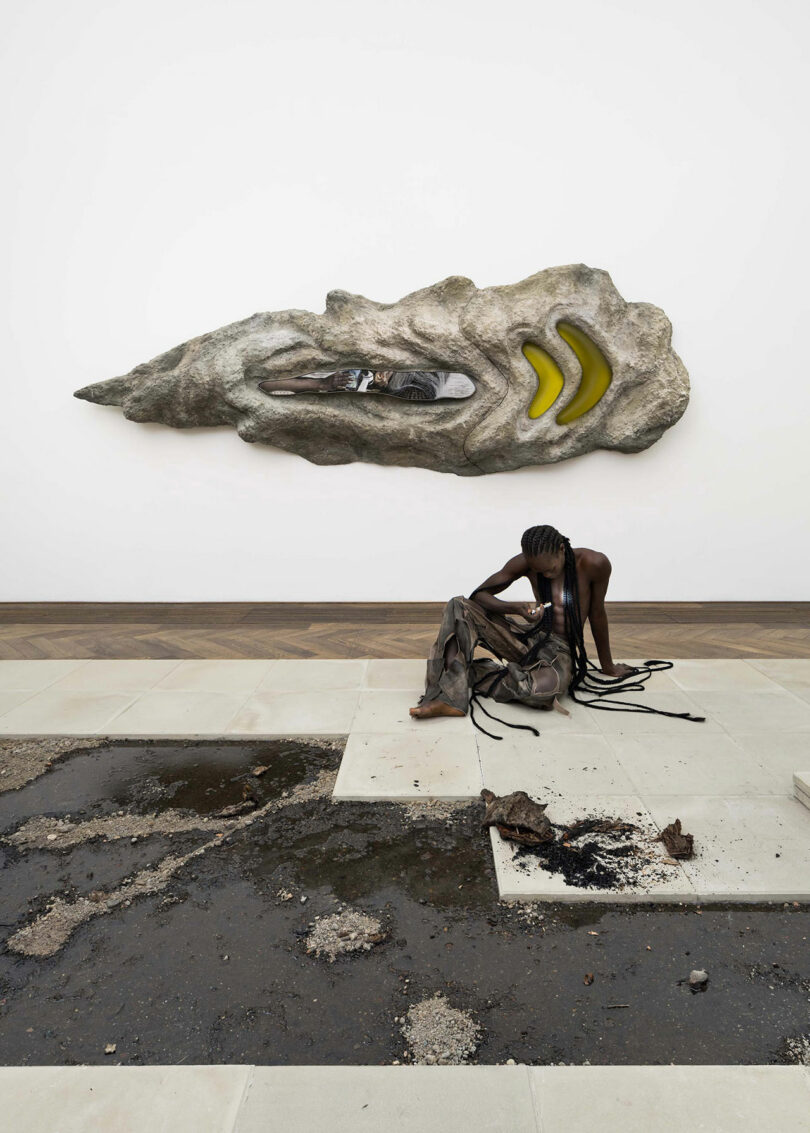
{"type": "Point", "coordinates": [45, 935]}
{"type": "Point", "coordinates": [796, 1050]}
{"type": "Point", "coordinates": [438, 1034]}
{"type": "Point", "coordinates": [22, 760]}
{"type": "Point", "coordinates": [433, 808]}
{"type": "Point", "coordinates": [44, 833]}
{"type": "Point", "coordinates": [340, 934]}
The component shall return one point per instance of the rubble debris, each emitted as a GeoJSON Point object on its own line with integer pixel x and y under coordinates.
{"type": "Point", "coordinates": [517, 818]}
{"type": "Point", "coordinates": [678, 845]}
{"type": "Point", "coordinates": [438, 1034]}
{"type": "Point", "coordinates": [340, 934]}
{"type": "Point", "coordinates": [110, 1048]}
{"type": "Point", "coordinates": [795, 1050]}
{"type": "Point", "coordinates": [22, 760]}
{"type": "Point", "coordinates": [45, 833]}
{"type": "Point", "coordinates": [588, 979]}
{"type": "Point", "coordinates": [49, 932]}
{"type": "Point", "coordinates": [698, 980]}
{"type": "Point", "coordinates": [597, 826]}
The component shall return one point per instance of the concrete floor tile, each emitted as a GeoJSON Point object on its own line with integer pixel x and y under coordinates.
{"type": "Point", "coordinates": [430, 764]}
{"type": "Point", "coordinates": [328, 712]}
{"type": "Point", "coordinates": [402, 1099]}
{"type": "Point", "coordinates": [780, 753]}
{"type": "Point", "coordinates": [116, 676]}
{"type": "Point", "coordinates": [755, 848]}
{"type": "Point", "coordinates": [217, 676]}
{"type": "Point", "coordinates": [646, 1099]}
{"type": "Point", "coordinates": [781, 669]}
{"type": "Point", "coordinates": [742, 712]}
{"type": "Point", "coordinates": [34, 674]}
{"type": "Point", "coordinates": [122, 1099]}
{"type": "Point", "coordinates": [580, 722]}
{"type": "Point", "coordinates": [801, 779]}
{"type": "Point", "coordinates": [384, 673]}
{"type": "Point", "coordinates": [693, 764]}
{"type": "Point", "coordinates": [613, 722]}
{"type": "Point", "coordinates": [656, 680]}
{"type": "Point", "coordinates": [720, 675]}
{"type": "Point", "coordinates": [63, 712]}
{"type": "Point", "coordinates": [523, 878]}
{"type": "Point", "coordinates": [313, 676]}
{"type": "Point", "coordinates": [10, 698]}
{"type": "Point", "coordinates": [172, 712]}
{"type": "Point", "coordinates": [388, 711]}
{"type": "Point", "coordinates": [552, 766]}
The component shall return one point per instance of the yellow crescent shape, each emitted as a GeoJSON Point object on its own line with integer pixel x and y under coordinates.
{"type": "Point", "coordinates": [550, 380]}
{"type": "Point", "coordinates": [596, 373]}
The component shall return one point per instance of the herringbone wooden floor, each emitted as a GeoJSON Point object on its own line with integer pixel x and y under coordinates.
{"type": "Point", "coordinates": [644, 630]}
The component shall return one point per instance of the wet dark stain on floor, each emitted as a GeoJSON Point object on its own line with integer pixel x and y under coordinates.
{"type": "Point", "coordinates": [213, 968]}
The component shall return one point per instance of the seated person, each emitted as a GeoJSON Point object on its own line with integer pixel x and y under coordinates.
{"type": "Point", "coordinates": [544, 653]}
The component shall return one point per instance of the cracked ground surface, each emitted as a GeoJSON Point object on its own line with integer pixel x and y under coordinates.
{"type": "Point", "coordinates": [160, 897]}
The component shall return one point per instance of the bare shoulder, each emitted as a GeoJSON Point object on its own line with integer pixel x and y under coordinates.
{"type": "Point", "coordinates": [595, 564]}
{"type": "Point", "coordinates": [516, 567]}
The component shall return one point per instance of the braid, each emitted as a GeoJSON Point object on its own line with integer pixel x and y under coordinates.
{"type": "Point", "coordinates": [543, 539]}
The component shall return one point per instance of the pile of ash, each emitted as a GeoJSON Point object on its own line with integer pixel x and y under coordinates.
{"type": "Point", "coordinates": [340, 934]}
{"type": "Point", "coordinates": [599, 853]}
{"type": "Point", "coordinates": [438, 1034]}
{"type": "Point", "coordinates": [615, 855]}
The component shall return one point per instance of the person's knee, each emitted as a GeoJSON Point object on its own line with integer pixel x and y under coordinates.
{"type": "Point", "coordinates": [545, 680]}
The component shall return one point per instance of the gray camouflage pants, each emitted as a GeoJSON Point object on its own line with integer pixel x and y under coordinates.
{"type": "Point", "coordinates": [538, 685]}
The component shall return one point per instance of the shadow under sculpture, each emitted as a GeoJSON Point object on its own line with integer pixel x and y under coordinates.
{"type": "Point", "coordinates": [558, 365]}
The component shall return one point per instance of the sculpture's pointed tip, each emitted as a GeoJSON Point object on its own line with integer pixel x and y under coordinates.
{"type": "Point", "coordinates": [111, 392]}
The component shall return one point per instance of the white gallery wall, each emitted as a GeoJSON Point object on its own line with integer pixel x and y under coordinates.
{"type": "Point", "coordinates": [172, 166]}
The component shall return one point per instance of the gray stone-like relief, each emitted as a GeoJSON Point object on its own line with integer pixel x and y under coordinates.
{"type": "Point", "coordinates": [561, 364]}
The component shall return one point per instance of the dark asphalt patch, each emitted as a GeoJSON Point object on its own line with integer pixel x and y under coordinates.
{"type": "Point", "coordinates": [152, 977]}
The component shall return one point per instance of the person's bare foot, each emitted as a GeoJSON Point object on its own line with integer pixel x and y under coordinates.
{"type": "Point", "coordinates": [435, 708]}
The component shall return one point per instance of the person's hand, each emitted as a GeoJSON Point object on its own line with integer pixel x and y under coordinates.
{"type": "Point", "coordinates": [618, 670]}
{"type": "Point", "coordinates": [531, 611]}
{"type": "Point", "coordinates": [339, 381]}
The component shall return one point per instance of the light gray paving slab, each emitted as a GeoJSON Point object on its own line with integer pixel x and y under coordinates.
{"type": "Point", "coordinates": [388, 711]}
{"type": "Point", "coordinates": [782, 669]}
{"type": "Point", "coordinates": [329, 712]}
{"type": "Point", "coordinates": [581, 721]}
{"type": "Point", "coordinates": [429, 764]}
{"type": "Point", "coordinates": [744, 712]}
{"type": "Point", "coordinates": [242, 676]}
{"type": "Point", "coordinates": [64, 713]}
{"type": "Point", "coordinates": [116, 676]}
{"type": "Point", "coordinates": [403, 1099]}
{"type": "Point", "coordinates": [755, 848]}
{"type": "Point", "coordinates": [10, 698]}
{"type": "Point", "coordinates": [648, 1099]}
{"type": "Point", "coordinates": [720, 675]}
{"type": "Point", "coordinates": [693, 764]}
{"type": "Point", "coordinates": [34, 674]}
{"type": "Point", "coordinates": [385, 673]}
{"type": "Point", "coordinates": [657, 680]}
{"type": "Point", "coordinates": [552, 766]}
{"type": "Point", "coordinates": [313, 675]}
{"type": "Point", "coordinates": [523, 878]}
{"type": "Point", "coordinates": [173, 712]}
{"type": "Point", "coordinates": [121, 1099]}
{"type": "Point", "coordinates": [780, 753]}
{"type": "Point", "coordinates": [613, 723]}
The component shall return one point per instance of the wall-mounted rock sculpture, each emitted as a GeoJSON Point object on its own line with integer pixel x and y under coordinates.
{"type": "Point", "coordinates": [561, 365]}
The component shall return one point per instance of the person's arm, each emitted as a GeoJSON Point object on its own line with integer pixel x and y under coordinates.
{"type": "Point", "coordinates": [484, 594]}
{"type": "Point", "coordinates": [597, 616]}
{"type": "Point", "coordinates": [295, 385]}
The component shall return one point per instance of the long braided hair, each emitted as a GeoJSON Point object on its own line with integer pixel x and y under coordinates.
{"type": "Point", "coordinates": [545, 539]}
